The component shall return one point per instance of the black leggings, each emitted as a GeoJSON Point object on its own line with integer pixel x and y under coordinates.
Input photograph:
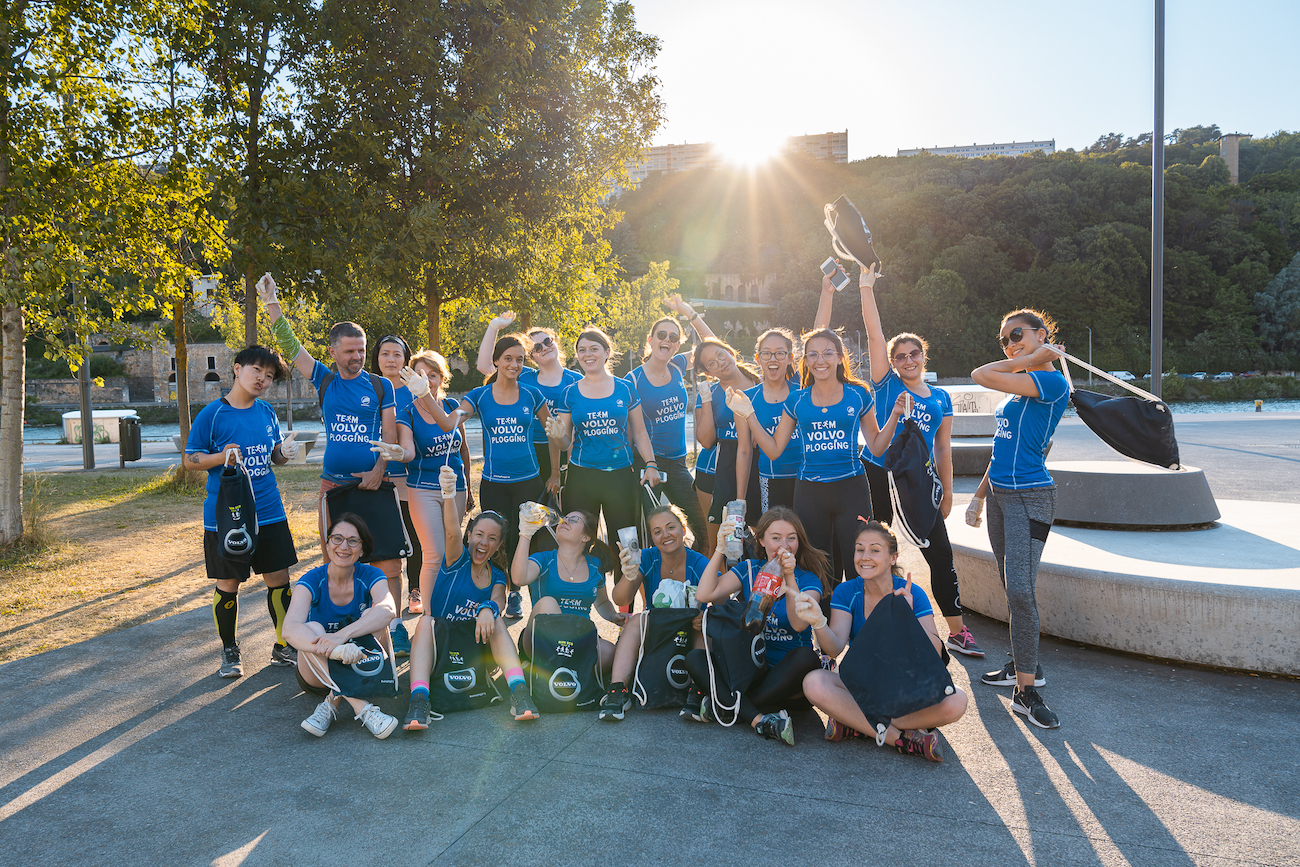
{"type": "Point", "coordinates": [612, 491]}
{"type": "Point", "coordinates": [779, 687]}
{"type": "Point", "coordinates": [724, 484]}
{"type": "Point", "coordinates": [829, 512]}
{"type": "Point", "coordinates": [415, 562]}
{"type": "Point", "coordinates": [943, 575]}
{"type": "Point", "coordinates": [775, 492]}
{"type": "Point", "coordinates": [680, 488]}
{"type": "Point", "coordinates": [505, 498]}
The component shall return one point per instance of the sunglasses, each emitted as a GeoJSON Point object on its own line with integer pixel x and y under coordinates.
{"type": "Point", "coordinates": [1017, 334]}
{"type": "Point", "coordinates": [545, 343]}
{"type": "Point", "coordinates": [671, 337]}
{"type": "Point", "coordinates": [914, 355]}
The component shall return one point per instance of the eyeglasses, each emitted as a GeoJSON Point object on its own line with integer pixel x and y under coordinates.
{"type": "Point", "coordinates": [914, 355]}
{"type": "Point", "coordinates": [778, 354]}
{"type": "Point", "coordinates": [571, 519]}
{"type": "Point", "coordinates": [545, 343]}
{"type": "Point", "coordinates": [1017, 334]}
{"type": "Point", "coordinates": [671, 337]}
{"type": "Point", "coordinates": [350, 541]}
{"type": "Point", "coordinates": [716, 361]}
{"type": "Point", "coordinates": [828, 355]}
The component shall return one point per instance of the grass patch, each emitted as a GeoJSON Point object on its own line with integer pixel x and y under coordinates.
{"type": "Point", "coordinates": [40, 538]}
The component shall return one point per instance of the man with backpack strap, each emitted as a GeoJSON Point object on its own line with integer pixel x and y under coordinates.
{"type": "Point", "coordinates": [357, 408]}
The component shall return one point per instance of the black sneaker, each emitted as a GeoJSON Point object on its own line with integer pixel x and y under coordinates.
{"type": "Point", "coordinates": [1027, 701]}
{"type": "Point", "coordinates": [230, 663]}
{"type": "Point", "coordinates": [616, 703]}
{"type": "Point", "coordinates": [417, 715]}
{"type": "Point", "coordinates": [514, 606]}
{"type": "Point", "coordinates": [691, 710]}
{"type": "Point", "coordinates": [284, 656]}
{"type": "Point", "coordinates": [521, 703]}
{"type": "Point", "coordinates": [776, 727]}
{"type": "Point", "coordinates": [1006, 676]}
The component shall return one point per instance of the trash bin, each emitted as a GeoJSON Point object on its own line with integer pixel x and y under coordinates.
{"type": "Point", "coordinates": [128, 439]}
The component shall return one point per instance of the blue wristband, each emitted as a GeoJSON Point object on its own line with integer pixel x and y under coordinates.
{"type": "Point", "coordinates": [496, 609]}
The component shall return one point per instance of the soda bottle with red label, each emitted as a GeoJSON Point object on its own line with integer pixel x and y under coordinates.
{"type": "Point", "coordinates": [767, 583]}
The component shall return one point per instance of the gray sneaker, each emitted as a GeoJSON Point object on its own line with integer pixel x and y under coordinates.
{"type": "Point", "coordinates": [230, 663]}
{"type": "Point", "coordinates": [319, 721]}
{"type": "Point", "coordinates": [380, 724]}
{"type": "Point", "coordinates": [284, 656]}
{"type": "Point", "coordinates": [1006, 676]}
{"type": "Point", "coordinates": [776, 727]}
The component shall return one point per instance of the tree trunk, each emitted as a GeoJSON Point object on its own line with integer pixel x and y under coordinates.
{"type": "Point", "coordinates": [182, 367]}
{"type": "Point", "coordinates": [12, 373]}
{"type": "Point", "coordinates": [250, 306]}
{"type": "Point", "coordinates": [433, 309]}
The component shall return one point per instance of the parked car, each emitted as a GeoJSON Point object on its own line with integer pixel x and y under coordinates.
{"type": "Point", "coordinates": [1200, 374]}
{"type": "Point", "coordinates": [1248, 374]}
{"type": "Point", "coordinates": [931, 377]}
{"type": "Point", "coordinates": [1122, 374]}
{"type": "Point", "coordinates": [1223, 377]}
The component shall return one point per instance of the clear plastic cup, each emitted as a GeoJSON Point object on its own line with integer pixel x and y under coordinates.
{"type": "Point", "coordinates": [629, 539]}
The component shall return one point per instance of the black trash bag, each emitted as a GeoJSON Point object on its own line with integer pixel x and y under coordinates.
{"type": "Point", "coordinates": [914, 485]}
{"type": "Point", "coordinates": [1136, 428]}
{"type": "Point", "coordinates": [892, 668]}
{"type": "Point", "coordinates": [563, 667]}
{"type": "Point", "coordinates": [462, 671]}
{"type": "Point", "coordinates": [236, 514]}
{"type": "Point", "coordinates": [736, 657]}
{"type": "Point", "coordinates": [850, 236]}
{"type": "Point", "coordinates": [661, 678]}
{"type": "Point", "coordinates": [372, 676]}
{"type": "Point", "coordinates": [381, 510]}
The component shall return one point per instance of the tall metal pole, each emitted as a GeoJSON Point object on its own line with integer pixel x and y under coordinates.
{"type": "Point", "coordinates": [1158, 210]}
{"type": "Point", "coordinates": [1089, 327]}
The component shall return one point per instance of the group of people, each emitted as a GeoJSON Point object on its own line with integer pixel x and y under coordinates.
{"type": "Point", "coordinates": [585, 441]}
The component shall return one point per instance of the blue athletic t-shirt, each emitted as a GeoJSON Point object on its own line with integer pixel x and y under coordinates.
{"type": "Point", "coordinates": [455, 596]}
{"type": "Point", "coordinates": [724, 420]}
{"type": "Point", "coordinates": [600, 426]}
{"type": "Point", "coordinates": [551, 393]}
{"type": "Point", "coordinates": [435, 448]}
{"type": "Point", "coordinates": [828, 435]}
{"type": "Point", "coordinates": [574, 597]}
{"type": "Point", "coordinates": [849, 596]}
{"type": "Point", "coordinates": [664, 407]}
{"type": "Point", "coordinates": [323, 610]}
{"type": "Point", "coordinates": [1025, 427]}
{"type": "Point", "coordinates": [652, 566]}
{"type": "Point", "coordinates": [256, 430]}
{"type": "Point", "coordinates": [769, 416]}
{"type": "Point", "coordinates": [928, 412]}
{"type": "Point", "coordinates": [352, 413]}
{"type": "Point", "coordinates": [508, 453]}
{"type": "Point", "coordinates": [706, 460]}
{"type": "Point", "coordinates": [778, 634]}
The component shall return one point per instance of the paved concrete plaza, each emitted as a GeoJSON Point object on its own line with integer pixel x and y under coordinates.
{"type": "Point", "coordinates": [126, 749]}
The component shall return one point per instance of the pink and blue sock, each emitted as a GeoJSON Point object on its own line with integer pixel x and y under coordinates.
{"type": "Point", "coordinates": [420, 687]}
{"type": "Point", "coordinates": [515, 677]}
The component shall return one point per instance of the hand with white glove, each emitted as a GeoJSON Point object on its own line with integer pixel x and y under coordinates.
{"type": "Point", "coordinates": [705, 390]}
{"type": "Point", "coordinates": [554, 428]}
{"type": "Point", "coordinates": [387, 451]}
{"type": "Point", "coordinates": [447, 482]}
{"type": "Point", "coordinates": [530, 520]}
{"type": "Point", "coordinates": [739, 403]}
{"type": "Point", "coordinates": [974, 510]}
{"type": "Point", "coordinates": [348, 654]}
{"type": "Point", "coordinates": [630, 562]}
{"type": "Point", "coordinates": [724, 532]}
{"type": "Point", "coordinates": [809, 610]}
{"type": "Point", "coordinates": [499, 322]}
{"type": "Point", "coordinates": [418, 383]}
{"type": "Point", "coordinates": [266, 290]}
{"type": "Point", "coordinates": [289, 448]}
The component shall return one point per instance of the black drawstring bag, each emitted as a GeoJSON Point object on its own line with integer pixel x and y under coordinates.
{"type": "Point", "coordinates": [236, 514]}
{"type": "Point", "coordinates": [892, 668]}
{"type": "Point", "coordinates": [736, 656]}
{"type": "Point", "coordinates": [461, 678]}
{"type": "Point", "coordinates": [661, 678]}
{"type": "Point", "coordinates": [372, 676]}
{"type": "Point", "coordinates": [564, 664]}
{"type": "Point", "coordinates": [381, 510]}
{"type": "Point", "coordinates": [914, 486]}
{"type": "Point", "coordinates": [850, 236]}
{"type": "Point", "coordinates": [1140, 427]}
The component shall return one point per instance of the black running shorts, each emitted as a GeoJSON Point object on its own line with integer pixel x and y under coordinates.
{"type": "Point", "coordinates": [274, 552]}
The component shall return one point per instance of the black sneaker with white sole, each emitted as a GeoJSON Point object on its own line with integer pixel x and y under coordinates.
{"type": "Point", "coordinates": [1006, 676]}
{"type": "Point", "coordinates": [616, 703]}
{"type": "Point", "coordinates": [514, 606]}
{"type": "Point", "coordinates": [1028, 702]}
{"type": "Point", "coordinates": [231, 666]}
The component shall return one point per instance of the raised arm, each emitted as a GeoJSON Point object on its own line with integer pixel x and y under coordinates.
{"type": "Point", "coordinates": [453, 545]}
{"type": "Point", "coordinates": [825, 302]}
{"type": "Point", "coordinates": [772, 445]}
{"type": "Point", "coordinates": [714, 587]}
{"type": "Point", "coordinates": [489, 342]}
{"type": "Point", "coordinates": [286, 341]}
{"type": "Point", "coordinates": [877, 354]}
{"type": "Point", "coordinates": [1008, 375]}
{"type": "Point", "coordinates": [706, 433]}
{"type": "Point", "coordinates": [878, 438]}
{"type": "Point", "coordinates": [688, 314]}
{"type": "Point", "coordinates": [524, 569]}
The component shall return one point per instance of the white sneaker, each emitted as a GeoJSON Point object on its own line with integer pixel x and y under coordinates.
{"type": "Point", "coordinates": [348, 654]}
{"type": "Point", "coordinates": [381, 725]}
{"type": "Point", "coordinates": [319, 721]}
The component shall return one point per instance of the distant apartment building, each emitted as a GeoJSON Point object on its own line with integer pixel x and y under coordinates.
{"type": "Point", "coordinates": [828, 146]}
{"type": "Point", "coordinates": [1005, 149]}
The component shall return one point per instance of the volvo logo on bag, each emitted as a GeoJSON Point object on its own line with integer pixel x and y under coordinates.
{"type": "Point", "coordinates": [369, 666]}
{"type": "Point", "coordinates": [462, 680]}
{"type": "Point", "coordinates": [237, 542]}
{"type": "Point", "coordinates": [564, 684]}
{"type": "Point", "coordinates": [677, 673]}
{"type": "Point", "coordinates": [758, 651]}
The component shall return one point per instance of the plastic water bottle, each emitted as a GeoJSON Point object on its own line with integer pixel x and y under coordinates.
{"type": "Point", "coordinates": [735, 545]}
{"type": "Point", "coordinates": [762, 595]}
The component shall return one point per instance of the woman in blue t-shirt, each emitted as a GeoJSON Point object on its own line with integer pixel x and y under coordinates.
{"type": "Point", "coordinates": [670, 565]}
{"type": "Point", "coordinates": [826, 414]}
{"type": "Point", "coordinates": [1021, 493]}
{"type": "Point", "coordinates": [775, 355]}
{"type": "Point", "coordinates": [790, 655]}
{"type": "Point", "coordinates": [706, 461]}
{"type": "Point", "coordinates": [875, 557]}
{"type": "Point", "coordinates": [469, 587]}
{"type": "Point", "coordinates": [660, 383]}
{"type": "Point", "coordinates": [599, 420]}
{"type": "Point", "coordinates": [570, 578]}
{"type": "Point", "coordinates": [736, 472]}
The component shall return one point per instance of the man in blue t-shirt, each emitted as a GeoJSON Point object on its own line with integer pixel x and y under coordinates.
{"type": "Point", "coordinates": [240, 427]}
{"type": "Point", "coordinates": [359, 413]}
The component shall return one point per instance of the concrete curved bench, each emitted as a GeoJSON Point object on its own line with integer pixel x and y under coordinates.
{"type": "Point", "coordinates": [1129, 494]}
{"type": "Point", "coordinates": [970, 455]}
{"type": "Point", "coordinates": [974, 424]}
{"type": "Point", "coordinates": [1226, 596]}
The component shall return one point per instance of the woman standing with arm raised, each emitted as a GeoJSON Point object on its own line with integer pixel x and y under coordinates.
{"type": "Point", "coordinates": [736, 473]}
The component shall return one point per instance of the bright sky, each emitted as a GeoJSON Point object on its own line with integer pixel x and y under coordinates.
{"type": "Point", "coordinates": [923, 73]}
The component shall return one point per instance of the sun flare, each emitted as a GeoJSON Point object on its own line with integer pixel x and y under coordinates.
{"type": "Point", "coordinates": [751, 147]}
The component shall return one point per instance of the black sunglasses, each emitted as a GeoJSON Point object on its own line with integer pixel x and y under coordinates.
{"type": "Point", "coordinates": [1014, 337]}
{"type": "Point", "coordinates": [672, 337]}
{"type": "Point", "coordinates": [545, 343]}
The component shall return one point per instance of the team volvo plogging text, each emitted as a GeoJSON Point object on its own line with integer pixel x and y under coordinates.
{"type": "Point", "coordinates": [814, 499]}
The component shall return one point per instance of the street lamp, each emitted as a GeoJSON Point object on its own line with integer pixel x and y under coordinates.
{"type": "Point", "coordinates": [1089, 352]}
